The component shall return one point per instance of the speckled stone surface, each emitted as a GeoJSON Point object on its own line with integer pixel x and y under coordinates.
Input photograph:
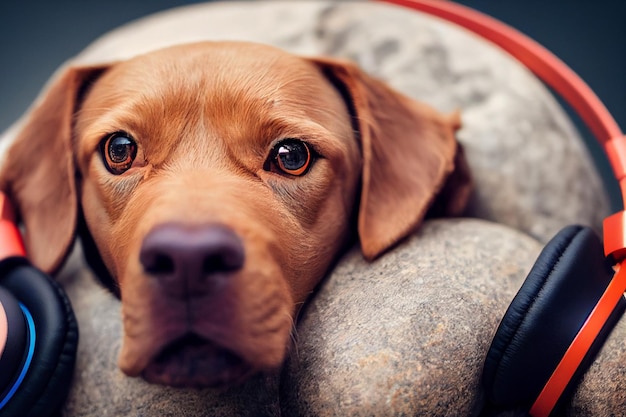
{"type": "Point", "coordinates": [407, 334]}
{"type": "Point", "coordinates": [602, 392]}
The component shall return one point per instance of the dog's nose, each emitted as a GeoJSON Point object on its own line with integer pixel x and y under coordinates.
{"type": "Point", "coordinates": [191, 261]}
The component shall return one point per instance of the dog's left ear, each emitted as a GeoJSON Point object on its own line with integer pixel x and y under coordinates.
{"type": "Point", "coordinates": [38, 169]}
{"type": "Point", "coordinates": [411, 159]}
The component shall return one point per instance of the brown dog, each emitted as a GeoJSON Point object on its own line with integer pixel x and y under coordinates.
{"type": "Point", "coordinates": [219, 182]}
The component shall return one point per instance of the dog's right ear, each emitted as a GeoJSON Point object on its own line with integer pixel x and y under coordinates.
{"type": "Point", "coordinates": [412, 162]}
{"type": "Point", "coordinates": [38, 172]}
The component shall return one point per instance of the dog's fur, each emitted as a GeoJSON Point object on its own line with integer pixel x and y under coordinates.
{"type": "Point", "coordinates": [205, 118]}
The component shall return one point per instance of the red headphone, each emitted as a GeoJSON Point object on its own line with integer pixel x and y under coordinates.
{"type": "Point", "coordinates": [566, 83]}
{"type": "Point", "coordinates": [38, 331]}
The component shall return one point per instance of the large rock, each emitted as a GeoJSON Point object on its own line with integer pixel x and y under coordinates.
{"type": "Point", "coordinates": [407, 334]}
{"type": "Point", "coordinates": [602, 391]}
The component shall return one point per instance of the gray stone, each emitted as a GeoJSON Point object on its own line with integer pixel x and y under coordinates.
{"type": "Point", "coordinates": [602, 391]}
{"type": "Point", "coordinates": [407, 334]}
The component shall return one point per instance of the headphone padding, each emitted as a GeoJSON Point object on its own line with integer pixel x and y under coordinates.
{"type": "Point", "coordinates": [562, 288]}
{"type": "Point", "coordinates": [47, 382]}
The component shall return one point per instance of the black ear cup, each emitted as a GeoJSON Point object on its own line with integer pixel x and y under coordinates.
{"type": "Point", "coordinates": [47, 380]}
{"type": "Point", "coordinates": [563, 287]}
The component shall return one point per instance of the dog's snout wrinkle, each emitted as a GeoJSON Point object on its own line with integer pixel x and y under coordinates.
{"type": "Point", "coordinates": [191, 260]}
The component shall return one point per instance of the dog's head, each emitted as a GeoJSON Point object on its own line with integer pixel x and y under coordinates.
{"type": "Point", "coordinates": [219, 182]}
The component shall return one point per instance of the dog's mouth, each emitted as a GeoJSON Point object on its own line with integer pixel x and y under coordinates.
{"type": "Point", "coordinates": [193, 361]}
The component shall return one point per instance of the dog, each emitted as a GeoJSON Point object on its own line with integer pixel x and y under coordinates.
{"type": "Point", "coordinates": [214, 185]}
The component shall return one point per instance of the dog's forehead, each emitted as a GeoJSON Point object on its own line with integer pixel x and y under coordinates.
{"type": "Point", "coordinates": [217, 87]}
{"type": "Point", "coordinates": [214, 74]}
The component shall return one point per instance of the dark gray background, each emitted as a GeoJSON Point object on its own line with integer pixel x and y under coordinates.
{"type": "Point", "coordinates": [36, 36]}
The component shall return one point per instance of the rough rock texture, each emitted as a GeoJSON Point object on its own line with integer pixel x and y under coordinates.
{"type": "Point", "coordinates": [602, 391]}
{"type": "Point", "coordinates": [408, 333]}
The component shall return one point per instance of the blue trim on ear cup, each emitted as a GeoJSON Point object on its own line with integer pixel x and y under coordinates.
{"type": "Point", "coordinates": [47, 382]}
{"type": "Point", "coordinates": [29, 357]}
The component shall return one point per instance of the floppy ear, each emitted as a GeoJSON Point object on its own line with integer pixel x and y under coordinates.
{"type": "Point", "coordinates": [409, 152]}
{"type": "Point", "coordinates": [38, 170]}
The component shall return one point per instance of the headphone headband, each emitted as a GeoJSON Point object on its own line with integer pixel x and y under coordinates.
{"type": "Point", "coordinates": [562, 79]}
{"type": "Point", "coordinates": [544, 65]}
{"type": "Point", "coordinates": [11, 243]}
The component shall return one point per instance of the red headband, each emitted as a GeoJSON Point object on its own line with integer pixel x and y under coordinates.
{"type": "Point", "coordinates": [588, 106]}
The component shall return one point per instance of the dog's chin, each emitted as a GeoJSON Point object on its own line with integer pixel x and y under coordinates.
{"type": "Point", "coordinates": [194, 362]}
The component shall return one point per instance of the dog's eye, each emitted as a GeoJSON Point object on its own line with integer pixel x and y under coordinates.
{"type": "Point", "coordinates": [118, 152]}
{"type": "Point", "coordinates": [292, 156]}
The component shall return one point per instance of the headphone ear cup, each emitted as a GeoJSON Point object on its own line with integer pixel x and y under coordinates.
{"type": "Point", "coordinates": [47, 381]}
{"type": "Point", "coordinates": [561, 290]}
